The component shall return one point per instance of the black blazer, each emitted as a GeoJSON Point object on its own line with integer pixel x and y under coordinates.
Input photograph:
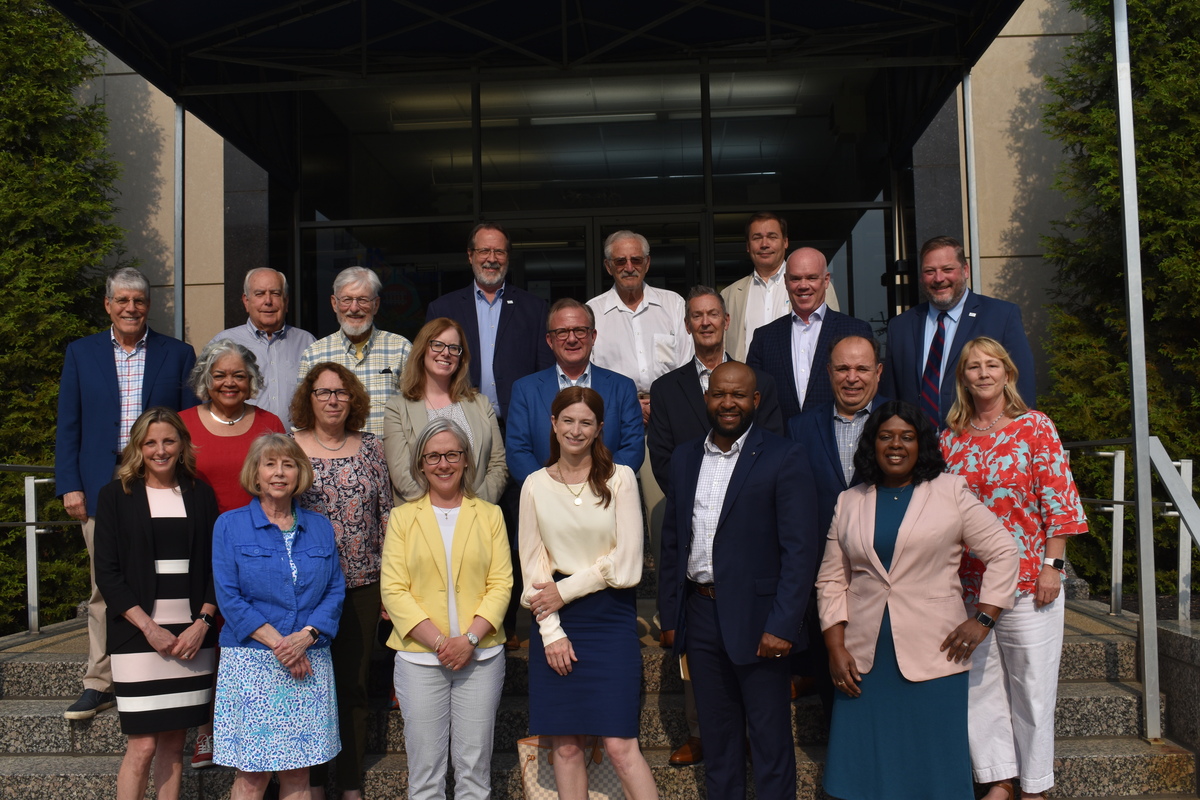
{"type": "Point", "coordinates": [124, 553]}
{"type": "Point", "coordinates": [678, 413]}
{"type": "Point", "coordinates": [521, 347]}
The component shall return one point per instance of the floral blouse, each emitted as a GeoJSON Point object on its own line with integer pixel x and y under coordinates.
{"type": "Point", "coordinates": [355, 493]}
{"type": "Point", "coordinates": [1021, 474]}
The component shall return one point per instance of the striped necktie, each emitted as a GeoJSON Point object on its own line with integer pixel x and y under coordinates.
{"type": "Point", "coordinates": [931, 378]}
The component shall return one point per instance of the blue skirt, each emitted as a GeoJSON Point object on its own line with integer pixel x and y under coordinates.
{"type": "Point", "coordinates": [900, 739]}
{"type": "Point", "coordinates": [601, 695]}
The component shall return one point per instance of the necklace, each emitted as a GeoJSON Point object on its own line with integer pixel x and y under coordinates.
{"type": "Point", "coordinates": [230, 422]}
{"type": "Point", "coordinates": [900, 490]}
{"type": "Point", "coordinates": [989, 427]}
{"type": "Point", "coordinates": [345, 439]}
{"type": "Point", "coordinates": [578, 495]}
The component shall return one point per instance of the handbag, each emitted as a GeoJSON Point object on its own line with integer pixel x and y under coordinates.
{"type": "Point", "coordinates": [536, 758]}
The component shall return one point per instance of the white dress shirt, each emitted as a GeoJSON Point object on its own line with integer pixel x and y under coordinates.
{"type": "Point", "coordinates": [716, 468]}
{"type": "Point", "coordinates": [645, 343]}
{"type": "Point", "coordinates": [764, 301]}
{"type": "Point", "coordinates": [804, 347]}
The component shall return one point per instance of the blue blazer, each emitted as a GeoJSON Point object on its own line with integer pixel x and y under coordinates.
{"type": "Point", "coordinates": [771, 351]}
{"type": "Point", "coordinates": [89, 406]}
{"type": "Point", "coordinates": [764, 552]}
{"type": "Point", "coordinates": [527, 440]}
{"type": "Point", "coordinates": [982, 316]}
{"type": "Point", "coordinates": [813, 431]}
{"type": "Point", "coordinates": [521, 347]}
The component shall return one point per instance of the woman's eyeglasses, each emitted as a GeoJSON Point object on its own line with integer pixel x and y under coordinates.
{"type": "Point", "coordinates": [323, 395]}
{"type": "Point", "coordinates": [432, 459]}
{"type": "Point", "coordinates": [452, 349]}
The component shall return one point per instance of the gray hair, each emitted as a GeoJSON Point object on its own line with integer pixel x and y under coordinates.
{"type": "Point", "coordinates": [618, 236]}
{"type": "Point", "coordinates": [436, 426]}
{"type": "Point", "coordinates": [700, 290]}
{"type": "Point", "coordinates": [126, 278]}
{"type": "Point", "coordinates": [257, 270]}
{"type": "Point", "coordinates": [201, 380]}
{"type": "Point", "coordinates": [352, 275]}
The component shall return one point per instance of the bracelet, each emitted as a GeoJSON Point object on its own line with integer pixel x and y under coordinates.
{"type": "Point", "coordinates": [440, 640]}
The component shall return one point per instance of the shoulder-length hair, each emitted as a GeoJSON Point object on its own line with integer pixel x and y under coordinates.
{"type": "Point", "coordinates": [602, 460]}
{"type": "Point", "coordinates": [301, 410]}
{"type": "Point", "coordinates": [275, 445]}
{"type": "Point", "coordinates": [133, 463]}
{"type": "Point", "coordinates": [964, 404]}
{"type": "Point", "coordinates": [412, 379]}
{"type": "Point", "coordinates": [436, 426]}
{"type": "Point", "coordinates": [930, 463]}
{"type": "Point", "coordinates": [200, 381]}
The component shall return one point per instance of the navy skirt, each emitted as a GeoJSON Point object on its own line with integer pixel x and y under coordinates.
{"type": "Point", "coordinates": [602, 693]}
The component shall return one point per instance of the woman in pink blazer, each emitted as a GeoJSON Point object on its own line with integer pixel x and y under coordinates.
{"type": "Point", "coordinates": [890, 601]}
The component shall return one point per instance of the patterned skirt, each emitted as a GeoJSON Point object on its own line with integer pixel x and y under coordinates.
{"type": "Point", "coordinates": [265, 720]}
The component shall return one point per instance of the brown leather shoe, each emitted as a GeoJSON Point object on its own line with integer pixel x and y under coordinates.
{"type": "Point", "coordinates": [692, 752]}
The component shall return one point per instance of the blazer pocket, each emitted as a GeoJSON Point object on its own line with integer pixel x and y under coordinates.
{"type": "Point", "coordinates": [944, 598]}
{"type": "Point", "coordinates": [765, 586]}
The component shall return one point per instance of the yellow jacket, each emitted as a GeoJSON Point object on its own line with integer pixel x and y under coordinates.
{"type": "Point", "coordinates": [413, 574]}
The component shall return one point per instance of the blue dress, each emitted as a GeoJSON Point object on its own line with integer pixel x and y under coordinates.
{"type": "Point", "coordinates": [900, 739]}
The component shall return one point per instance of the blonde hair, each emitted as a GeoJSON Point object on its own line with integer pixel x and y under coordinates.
{"type": "Point", "coordinates": [964, 405]}
{"type": "Point", "coordinates": [133, 463]}
{"type": "Point", "coordinates": [412, 379]}
{"type": "Point", "coordinates": [278, 445]}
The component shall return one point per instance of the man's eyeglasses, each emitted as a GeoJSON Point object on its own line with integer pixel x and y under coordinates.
{"type": "Point", "coordinates": [562, 334]}
{"type": "Point", "coordinates": [347, 302]}
{"type": "Point", "coordinates": [323, 395]}
{"type": "Point", "coordinates": [491, 252]}
{"type": "Point", "coordinates": [636, 261]}
{"type": "Point", "coordinates": [451, 456]}
{"type": "Point", "coordinates": [453, 349]}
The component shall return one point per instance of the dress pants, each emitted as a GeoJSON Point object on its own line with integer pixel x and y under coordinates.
{"type": "Point", "coordinates": [732, 699]}
{"type": "Point", "coordinates": [98, 675]}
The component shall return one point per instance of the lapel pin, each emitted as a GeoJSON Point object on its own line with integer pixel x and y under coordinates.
{"type": "Point", "coordinates": [969, 314]}
{"type": "Point", "coordinates": [510, 303]}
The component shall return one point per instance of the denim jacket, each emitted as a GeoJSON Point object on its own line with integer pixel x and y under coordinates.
{"type": "Point", "coordinates": [254, 580]}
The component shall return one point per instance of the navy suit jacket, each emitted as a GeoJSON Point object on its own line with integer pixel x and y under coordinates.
{"type": "Point", "coordinates": [813, 431]}
{"type": "Point", "coordinates": [678, 414]}
{"type": "Point", "coordinates": [981, 316]}
{"type": "Point", "coordinates": [521, 347]}
{"type": "Point", "coordinates": [765, 548]}
{"type": "Point", "coordinates": [527, 440]}
{"type": "Point", "coordinates": [89, 406]}
{"type": "Point", "coordinates": [771, 351]}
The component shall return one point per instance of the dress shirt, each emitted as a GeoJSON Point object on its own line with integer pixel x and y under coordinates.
{"type": "Point", "coordinates": [804, 347]}
{"type": "Point", "coordinates": [953, 315]}
{"type": "Point", "coordinates": [763, 299]}
{"type": "Point", "coordinates": [584, 380]}
{"type": "Point", "coordinates": [131, 366]}
{"type": "Point", "coordinates": [847, 432]}
{"type": "Point", "coordinates": [383, 357]}
{"type": "Point", "coordinates": [487, 314]}
{"type": "Point", "coordinates": [704, 373]}
{"type": "Point", "coordinates": [716, 468]}
{"type": "Point", "coordinates": [644, 343]}
{"type": "Point", "coordinates": [278, 357]}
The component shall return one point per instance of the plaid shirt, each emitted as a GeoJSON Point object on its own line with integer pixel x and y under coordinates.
{"type": "Point", "coordinates": [379, 369]}
{"type": "Point", "coordinates": [131, 366]}
{"type": "Point", "coordinates": [847, 432]}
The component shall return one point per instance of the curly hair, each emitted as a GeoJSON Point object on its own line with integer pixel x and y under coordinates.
{"type": "Point", "coordinates": [602, 461]}
{"type": "Point", "coordinates": [133, 462]}
{"type": "Point", "coordinates": [200, 381]}
{"type": "Point", "coordinates": [929, 464]}
{"type": "Point", "coordinates": [301, 410]}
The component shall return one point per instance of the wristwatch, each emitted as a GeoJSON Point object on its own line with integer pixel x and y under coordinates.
{"type": "Point", "coordinates": [1057, 563]}
{"type": "Point", "coordinates": [472, 638]}
{"type": "Point", "coordinates": [206, 619]}
{"type": "Point", "coordinates": [313, 632]}
{"type": "Point", "coordinates": [984, 620]}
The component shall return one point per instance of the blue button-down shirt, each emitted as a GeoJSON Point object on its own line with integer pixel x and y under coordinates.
{"type": "Point", "coordinates": [953, 316]}
{"type": "Point", "coordinates": [487, 314]}
{"type": "Point", "coordinates": [278, 359]}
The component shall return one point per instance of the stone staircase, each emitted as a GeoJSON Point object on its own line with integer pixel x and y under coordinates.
{"type": "Point", "coordinates": [1099, 754]}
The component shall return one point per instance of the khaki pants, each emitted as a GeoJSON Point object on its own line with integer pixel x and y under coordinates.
{"type": "Point", "coordinates": [99, 672]}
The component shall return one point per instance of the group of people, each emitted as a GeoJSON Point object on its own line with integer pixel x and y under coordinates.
{"type": "Point", "coordinates": [894, 539]}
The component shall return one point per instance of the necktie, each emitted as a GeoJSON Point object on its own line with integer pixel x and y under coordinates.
{"type": "Point", "coordinates": [931, 378]}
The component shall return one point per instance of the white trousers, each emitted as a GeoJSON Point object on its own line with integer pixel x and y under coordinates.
{"type": "Point", "coordinates": [1013, 691]}
{"type": "Point", "coordinates": [449, 714]}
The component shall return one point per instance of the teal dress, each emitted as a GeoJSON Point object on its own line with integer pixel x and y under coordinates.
{"type": "Point", "coordinates": [900, 739]}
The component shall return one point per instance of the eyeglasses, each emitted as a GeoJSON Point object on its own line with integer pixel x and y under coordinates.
{"type": "Point", "coordinates": [432, 459]}
{"type": "Point", "coordinates": [323, 395]}
{"type": "Point", "coordinates": [453, 349]}
{"type": "Point", "coordinates": [636, 261]}
{"type": "Point", "coordinates": [562, 334]}
{"type": "Point", "coordinates": [347, 302]}
{"type": "Point", "coordinates": [491, 252]}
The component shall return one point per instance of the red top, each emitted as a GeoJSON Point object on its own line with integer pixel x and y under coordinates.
{"type": "Point", "coordinates": [219, 459]}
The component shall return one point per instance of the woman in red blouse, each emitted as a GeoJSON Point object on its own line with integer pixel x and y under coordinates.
{"type": "Point", "coordinates": [1014, 462]}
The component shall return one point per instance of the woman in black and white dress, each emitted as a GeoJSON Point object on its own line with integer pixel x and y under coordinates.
{"type": "Point", "coordinates": [154, 529]}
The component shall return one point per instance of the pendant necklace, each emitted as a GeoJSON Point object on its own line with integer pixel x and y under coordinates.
{"type": "Point", "coordinates": [578, 495]}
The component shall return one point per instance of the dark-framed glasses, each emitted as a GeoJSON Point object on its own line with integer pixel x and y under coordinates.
{"type": "Point", "coordinates": [562, 334]}
{"type": "Point", "coordinates": [452, 349]}
{"type": "Point", "coordinates": [324, 395]}
{"type": "Point", "coordinates": [451, 456]}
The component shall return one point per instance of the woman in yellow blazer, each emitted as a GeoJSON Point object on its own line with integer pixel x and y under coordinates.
{"type": "Point", "coordinates": [446, 579]}
{"type": "Point", "coordinates": [891, 606]}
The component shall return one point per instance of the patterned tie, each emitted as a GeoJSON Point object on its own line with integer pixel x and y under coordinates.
{"type": "Point", "coordinates": [931, 378]}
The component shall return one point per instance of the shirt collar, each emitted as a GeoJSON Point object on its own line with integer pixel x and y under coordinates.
{"type": "Point", "coordinates": [701, 369]}
{"type": "Point", "coordinates": [817, 315]}
{"type": "Point", "coordinates": [112, 336]}
{"type": "Point", "coordinates": [258, 517]}
{"type": "Point", "coordinates": [479, 295]}
{"type": "Point", "coordinates": [774, 277]}
{"type": "Point", "coordinates": [259, 333]}
{"type": "Point", "coordinates": [736, 448]}
{"type": "Point", "coordinates": [954, 313]}
{"type": "Point", "coordinates": [865, 411]}
{"type": "Point", "coordinates": [348, 345]}
{"type": "Point", "coordinates": [562, 376]}
{"type": "Point", "coordinates": [613, 301]}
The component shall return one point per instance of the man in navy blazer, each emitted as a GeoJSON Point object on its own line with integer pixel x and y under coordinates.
{"type": "Point", "coordinates": [794, 349]}
{"type": "Point", "coordinates": [108, 380]}
{"type": "Point", "coordinates": [739, 556]}
{"type": "Point", "coordinates": [571, 332]}
{"type": "Point", "coordinates": [506, 326]}
{"type": "Point", "coordinates": [943, 285]}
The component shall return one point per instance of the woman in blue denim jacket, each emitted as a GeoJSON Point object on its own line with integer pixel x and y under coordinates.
{"type": "Point", "coordinates": [280, 588]}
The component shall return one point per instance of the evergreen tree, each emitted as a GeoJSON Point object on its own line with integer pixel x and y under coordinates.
{"type": "Point", "coordinates": [1089, 336]}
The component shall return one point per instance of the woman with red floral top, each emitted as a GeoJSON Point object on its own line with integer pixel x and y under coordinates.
{"type": "Point", "coordinates": [1014, 462]}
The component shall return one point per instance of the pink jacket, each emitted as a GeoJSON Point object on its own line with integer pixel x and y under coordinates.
{"type": "Point", "coordinates": [922, 590]}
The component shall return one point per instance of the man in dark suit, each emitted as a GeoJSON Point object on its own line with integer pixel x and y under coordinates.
{"type": "Point", "coordinates": [951, 316]}
{"type": "Point", "coordinates": [739, 556]}
{"type": "Point", "coordinates": [680, 415]}
{"type": "Point", "coordinates": [108, 379]}
{"type": "Point", "coordinates": [794, 349]}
